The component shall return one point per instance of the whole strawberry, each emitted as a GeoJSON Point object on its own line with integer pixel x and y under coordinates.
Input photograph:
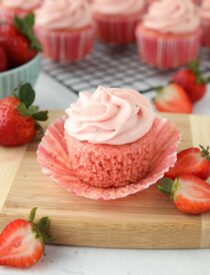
{"type": "Point", "coordinates": [19, 41]}
{"type": "Point", "coordinates": [22, 242]}
{"type": "Point", "coordinates": [18, 118]}
{"type": "Point", "coordinates": [192, 81]}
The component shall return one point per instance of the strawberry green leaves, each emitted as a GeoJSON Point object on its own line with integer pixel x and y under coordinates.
{"type": "Point", "coordinates": [25, 26]}
{"type": "Point", "coordinates": [40, 228]}
{"type": "Point", "coordinates": [40, 116]}
{"type": "Point", "coordinates": [26, 95]}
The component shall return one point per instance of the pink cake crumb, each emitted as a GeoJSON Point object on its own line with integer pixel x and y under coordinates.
{"type": "Point", "coordinates": [106, 166]}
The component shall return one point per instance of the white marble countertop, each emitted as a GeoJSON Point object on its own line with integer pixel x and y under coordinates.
{"type": "Point", "coordinates": [91, 261]}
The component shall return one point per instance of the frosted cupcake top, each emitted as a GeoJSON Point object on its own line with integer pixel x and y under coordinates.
{"type": "Point", "coordinates": [177, 16]}
{"type": "Point", "coordinates": [109, 116]}
{"type": "Point", "coordinates": [117, 7]}
{"type": "Point", "coordinates": [21, 4]}
{"type": "Point", "coordinates": [205, 10]}
{"type": "Point", "coordinates": [64, 14]}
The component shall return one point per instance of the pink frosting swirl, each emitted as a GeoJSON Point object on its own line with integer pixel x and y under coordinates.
{"type": "Point", "coordinates": [109, 116]}
{"type": "Point", "coordinates": [21, 4]}
{"type": "Point", "coordinates": [205, 10]}
{"type": "Point", "coordinates": [64, 14]}
{"type": "Point", "coordinates": [118, 7]}
{"type": "Point", "coordinates": [177, 16]}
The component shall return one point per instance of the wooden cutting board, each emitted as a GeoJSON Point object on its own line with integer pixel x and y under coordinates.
{"type": "Point", "coordinates": [144, 220]}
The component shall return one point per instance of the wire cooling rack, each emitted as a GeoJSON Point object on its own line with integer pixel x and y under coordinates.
{"type": "Point", "coordinates": [113, 66]}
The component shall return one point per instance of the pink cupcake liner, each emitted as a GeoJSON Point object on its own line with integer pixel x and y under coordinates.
{"type": "Point", "coordinates": [54, 160]}
{"type": "Point", "coordinates": [64, 46]}
{"type": "Point", "coordinates": [166, 51]}
{"type": "Point", "coordinates": [117, 29]}
{"type": "Point", "coordinates": [206, 33]}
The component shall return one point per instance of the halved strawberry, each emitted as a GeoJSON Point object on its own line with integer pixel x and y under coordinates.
{"type": "Point", "coordinates": [190, 194]}
{"type": "Point", "coordinates": [192, 81]}
{"type": "Point", "coordinates": [192, 161]}
{"type": "Point", "coordinates": [173, 99]}
{"type": "Point", "coordinates": [22, 242]}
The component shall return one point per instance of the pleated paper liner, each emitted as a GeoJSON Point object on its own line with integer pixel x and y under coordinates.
{"type": "Point", "coordinates": [54, 160]}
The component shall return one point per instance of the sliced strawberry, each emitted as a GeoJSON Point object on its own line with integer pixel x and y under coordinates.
{"type": "Point", "coordinates": [192, 161]}
{"type": "Point", "coordinates": [173, 99]}
{"type": "Point", "coordinates": [3, 60]}
{"type": "Point", "coordinates": [190, 194]}
{"type": "Point", "coordinates": [192, 81]}
{"type": "Point", "coordinates": [22, 242]}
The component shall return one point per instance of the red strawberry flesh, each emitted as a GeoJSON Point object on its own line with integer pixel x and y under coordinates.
{"type": "Point", "coordinates": [19, 246]}
{"type": "Point", "coordinates": [192, 195]}
{"type": "Point", "coordinates": [173, 99]}
{"type": "Point", "coordinates": [190, 162]}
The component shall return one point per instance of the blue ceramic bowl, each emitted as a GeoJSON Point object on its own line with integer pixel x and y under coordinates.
{"type": "Point", "coordinates": [11, 79]}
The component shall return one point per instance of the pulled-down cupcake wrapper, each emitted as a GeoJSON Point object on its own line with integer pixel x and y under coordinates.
{"type": "Point", "coordinates": [54, 160]}
{"type": "Point", "coordinates": [166, 52]}
{"type": "Point", "coordinates": [66, 46]}
{"type": "Point", "coordinates": [117, 29]}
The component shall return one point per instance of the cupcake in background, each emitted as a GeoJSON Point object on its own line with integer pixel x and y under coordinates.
{"type": "Point", "coordinates": [10, 8]}
{"type": "Point", "coordinates": [205, 22]}
{"type": "Point", "coordinates": [170, 34]}
{"type": "Point", "coordinates": [65, 29]}
{"type": "Point", "coordinates": [116, 20]}
{"type": "Point", "coordinates": [109, 135]}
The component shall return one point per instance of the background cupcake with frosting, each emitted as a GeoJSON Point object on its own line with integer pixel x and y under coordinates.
{"type": "Point", "coordinates": [10, 8]}
{"type": "Point", "coordinates": [205, 22]}
{"type": "Point", "coordinates": [65, 29]}
{"type": "Point", "coordinates": [116, 20]}
{"type": "Point", "coordinates": [170, 34]}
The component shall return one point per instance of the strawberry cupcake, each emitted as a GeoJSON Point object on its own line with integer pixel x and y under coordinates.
{"type": "Point", "coordinates": [65, 29]}
{"type": "Point", "coordinates": [170, 34]}
{"type": "Point", "coordinates": [10, 8]}
{"type": "Point", "coordinates": [205, 22]}
{"type": "Point", "coordinates": [110, 137]}
{"type": "Point", "coordinates": [116, 20]}
{"type": "Point", "coordinates": [109, 145]}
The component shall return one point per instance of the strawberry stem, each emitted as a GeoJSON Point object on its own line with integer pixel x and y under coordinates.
{"type": "Point", "coordinates": [194, 67]}
{"type": "Point", "coordinates": [32, 214]}
{"type": "Point", "coordinates": [168, 186]}
{"type": "Point", "coordinates": [165, 185]}
{"type": "Point", "coordinates": [205, 152]}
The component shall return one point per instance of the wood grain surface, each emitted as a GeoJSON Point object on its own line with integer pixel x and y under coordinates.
{"type": "Point", "coordinates": [143, 220]}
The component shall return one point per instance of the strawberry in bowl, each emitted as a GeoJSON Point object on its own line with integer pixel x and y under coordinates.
{"type": "Point", "coordinates": [19, 54]}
